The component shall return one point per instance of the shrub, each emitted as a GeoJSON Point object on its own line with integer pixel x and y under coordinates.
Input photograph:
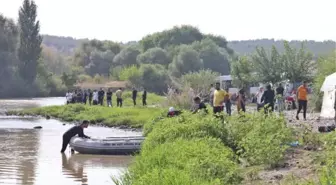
{"type": "Point", "coordinates": [262, 140]}
{"type": "Point", "coordinates": [195, 161]}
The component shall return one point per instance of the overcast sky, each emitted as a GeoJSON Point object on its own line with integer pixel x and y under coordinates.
{"type": "Point", "coordinates": [128, 20]}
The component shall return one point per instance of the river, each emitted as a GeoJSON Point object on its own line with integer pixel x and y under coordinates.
{"type": "Point", "coordinates": [32, 157]}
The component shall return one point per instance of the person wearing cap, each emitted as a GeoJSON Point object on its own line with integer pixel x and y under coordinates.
{"type": "Point", "coordinates": [172, 112]}
{"type": "Point", "coordinates": [73, 131]}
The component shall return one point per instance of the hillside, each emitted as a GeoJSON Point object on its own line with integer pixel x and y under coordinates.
{"type": "Point", "coordinates": [68, 44]}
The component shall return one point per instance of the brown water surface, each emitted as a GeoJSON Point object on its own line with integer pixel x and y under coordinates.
{"type": "Point", "coordinates": [32, 157]}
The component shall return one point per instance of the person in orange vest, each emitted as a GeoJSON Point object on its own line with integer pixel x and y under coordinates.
{"type": "Point", "coordinates": [302, 93]}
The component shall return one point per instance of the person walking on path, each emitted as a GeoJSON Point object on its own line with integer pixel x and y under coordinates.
{"type": "Point", "coordinates": [302, 93]}
{"type": "Point", "coordinates": [119, 97]}
{"type": "Point", "coordinates": [259, 96]}
{"type": "Point", "coordinates": [144, 98]}
{"type": "Point", "coordinates": [134, 95]}
{"type": "Point", "coordinates": [109, 98]}
{"type": "Point", "coordinates": [268, 99]}
{"type": "Point", "coordinates": [241, 101]}
{"type": "Point", "coordinates": [228, 103]}
{"type": "Point", "coordinates": [219, 98]}
{"type": "Point", "coordinates": [279, 97]}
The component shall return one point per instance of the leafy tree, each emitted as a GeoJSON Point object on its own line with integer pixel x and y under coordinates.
{"type": "Point", "coordinates": [8, 59]}
{"type": "Point", "coordinates": [268, 67]}
{"type": "Point", "coordinates": [154, 56]}
{"type": "Point", "coordinates": [298, 64]}
{"type": "Point", "coordinates": [187, 60]}
{"type": "Point", "coordinates": [100, 63]}
{"type": "Point", "coordinates": [214, 58]}
{"type": "Point", "coordinates": [131, 74]}
{"type": "Point", "coordinates": [154, 77]}
{"type": "Point", "coordinates": [176, 36]}
{"type": "Point", "coordinates": [242, 72]}
{"type": "Point", "coordinates": [30, 41]}
{"type": "Point", "coordinates": [199, 81]}
{"type": "Point", "coordinates": [127, 56]}
{"type": "Point", "coordinates": [54, 61]}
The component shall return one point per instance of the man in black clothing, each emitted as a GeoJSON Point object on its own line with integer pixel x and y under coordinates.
{"type": "Point", "coordinates": [279, 97]}
{"type": "Point", "coordinates": [90, 96]}
{"type": "Point", "coordinates": [268, 99]}
{"type": "Point", "coordinates": [134, 95]}
{"type": "Point", "coordinates": [109, 98]}
{"type": "Point", "coordinates": [101, 94]}
{"type": "Point", "coordinates": [144, 98]}
{"type": "Point", "coordinates": [199, 105]}
{"type": "Point", "coordinates": [72, 132]}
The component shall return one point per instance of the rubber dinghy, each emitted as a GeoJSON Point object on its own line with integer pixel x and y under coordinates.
{"type": "Point", "coordinates": [108, 146]}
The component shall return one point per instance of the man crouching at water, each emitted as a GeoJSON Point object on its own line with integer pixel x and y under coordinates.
{"type": "Point", "coordinates": [72, 132]}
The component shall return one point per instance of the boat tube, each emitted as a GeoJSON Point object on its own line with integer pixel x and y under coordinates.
{"type": "Point", "coordinates": [108, 146]}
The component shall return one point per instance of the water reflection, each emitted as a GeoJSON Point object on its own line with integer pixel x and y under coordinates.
{"type": "Point", "coordinates": [18, 157]}
{"type": "Point", "coordinates": [76, 172]}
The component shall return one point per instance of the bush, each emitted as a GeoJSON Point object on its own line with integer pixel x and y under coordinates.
{"type": "Point", "coordinates": [179, 162]}
{"type": "Point", "coordinates": [262, 140]}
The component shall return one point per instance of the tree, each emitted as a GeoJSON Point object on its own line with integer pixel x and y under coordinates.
{"type": "Point", "coordinates": [213, 57]}
{"type": "Point", "coordinates": [242, 72]}
{"type": "Point", "coordinates": [100, 63]}
{"type": "Point", "coordinates": [8, 59]}
{"type": "Point", "coordinates": [154, 77]}
{"type": "Point", "coordinates": [200, 81]}
{"type": "Point", "coordinates": [127, 56]}
{"type": "Point", "coordinates": [30, 41]}
{"type": "Point", "coordinates": [154, 56]}
{"type": "Point", "coordinates": [131, 74]}
{"type": "Point", "coordinates": [187, 60]}
{"type": "Point", "coordinates": [298, 64]}
{"type": "Point", "coordinates": [268, 67]}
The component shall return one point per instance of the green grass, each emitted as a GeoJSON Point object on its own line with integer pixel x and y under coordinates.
{"type": "Point", "coordinates": [128, 115]}
{"type": "Point", "coordinates": [200, 149]}
{"type": "Point", "coordinates": [133, 117]}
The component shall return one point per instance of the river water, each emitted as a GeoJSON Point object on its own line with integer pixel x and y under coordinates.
{"type": "Point", "coordinates": [32, 157]}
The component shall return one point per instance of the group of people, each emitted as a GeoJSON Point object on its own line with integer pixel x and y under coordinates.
{"type": "Point", "coordinates": [96, 97]}
{"type": "Point", "coordinates": [265, 99]}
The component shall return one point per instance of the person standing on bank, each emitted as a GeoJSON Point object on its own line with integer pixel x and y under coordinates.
{"type": "Point", "coordinates": [302, 92]}
{"type": "Point", "coordinates": [279, 97]}
{"type": "Point", "coordinates": [109, 98]}
{"type": "Point", "coordinates": [73, 131]}
{"type": "Point", "coordinates": [101, 94]}
{"type": "Point", "coordinates": [144, 98]}
{"type": "Point", "coordinates": [119, 97]}
{"type": "Point", "coordinates": [134, 95]}
{"type": "Point", "coordinates": [90, 96]}
{"type": "Point", "coordinates": [228, 103]}
{"type": "Point", "coordinates": [219, 98]}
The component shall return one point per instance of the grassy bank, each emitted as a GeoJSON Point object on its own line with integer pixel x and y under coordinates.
{"type": "Point", "coordinates": [132, 117]}
{"type": "Point", "coordinates": [200, 149]}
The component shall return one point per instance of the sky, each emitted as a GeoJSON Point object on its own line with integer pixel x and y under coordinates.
{"type": "Point", "coordinates": [130, 20]}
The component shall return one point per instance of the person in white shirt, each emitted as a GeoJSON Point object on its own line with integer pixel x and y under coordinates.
{"type": "Point", "coordinates": [68, 97]}
{"type": "Point", "coordinates": [259, 96]}
{"type": "Point", "coordinates": [95, 97]}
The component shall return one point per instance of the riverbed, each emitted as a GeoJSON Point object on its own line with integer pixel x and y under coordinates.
{"type": "Point", "coordinates": [32, 157]}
